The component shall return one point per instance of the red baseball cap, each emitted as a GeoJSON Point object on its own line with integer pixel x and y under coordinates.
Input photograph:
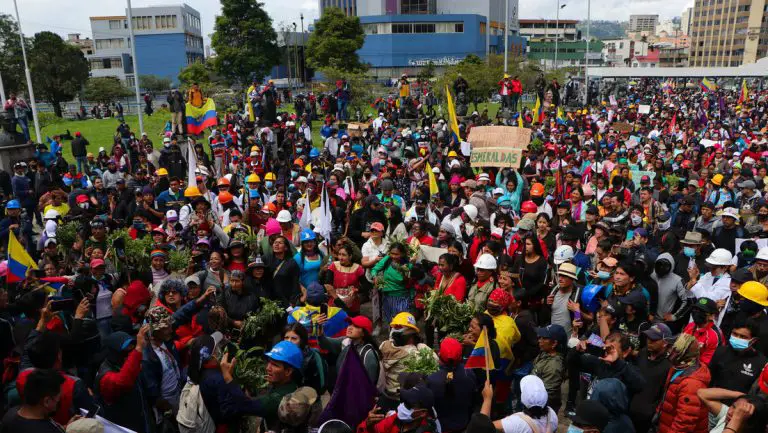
{"type": "Point", "coordinates": [361, 322]}
{"type": "Point", "coordinates": [95, 263]}
{"type": "Point", "coordinates": [379, 227]}
{"type": "Point", "coordinates": [450, 351]}
{"type": "Point", "coordinates": [82, 198]}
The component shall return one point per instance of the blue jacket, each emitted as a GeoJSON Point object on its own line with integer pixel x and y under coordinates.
{"type": "Point", "coordinates": [22, 185]}
{"type": "Point", "coordinates": [166, 200]}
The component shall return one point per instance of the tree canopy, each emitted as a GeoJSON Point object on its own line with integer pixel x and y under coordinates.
{"type": "Point", "coordinates": [153, 83]}
{"type": "Point", "coordinates": [58, 69]}
{"type": "Point", "coordinates": [105, 89]}
{"type": "Point", "coordinates": [244, 41]}
{"type": "Point", "coordinates": [335, 42]}
{"type": "Point", "coordinates": [12, 66]}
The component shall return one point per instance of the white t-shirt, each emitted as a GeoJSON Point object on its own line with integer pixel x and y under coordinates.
{"type": "Point", "coordinates": [515, 424]}
{"type": "Point", "coordinates": [370, 251]}
{"type": "Point", "coordinates": [717, 422]}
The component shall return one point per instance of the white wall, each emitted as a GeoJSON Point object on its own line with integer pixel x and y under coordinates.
{"type": "Point", "coordinates": [369, 7]}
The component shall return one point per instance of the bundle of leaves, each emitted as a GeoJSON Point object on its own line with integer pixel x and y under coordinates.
{"type": "Point", "coordinates": [422, 361]}
{"type": "Point", "coordinates": [257, 323]}
{"type": "Point", "coordinates": [250, 369]}
{"type": "Point", "coordinates": [178, 260]}
{"type": "Point", "coordinates": [137, 251]}
{"type": "Point", "coordinates": [66, 235]}
{"type": "Point", "coordinates": [448, 315]}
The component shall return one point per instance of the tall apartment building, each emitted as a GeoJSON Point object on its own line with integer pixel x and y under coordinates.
{"type": "Point", "coordinates": [168, 38]}
{"type": "Point", "coordinates": [685, 21]}
{"type": "Point", "coordinates": [643, 23]}
{"type": "Point", "coordinates": [728, 33]}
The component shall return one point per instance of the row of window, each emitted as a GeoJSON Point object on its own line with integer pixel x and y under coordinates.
{"type": "Point", "coordinates": [142, 23]}
{"type": "Point", "coordinates": [400, 28]}
{"type": "Point", "coordinates": [739, 52]}
{"type": "Point", "coordinates": [165, 21]}
{"type": "Point", "coordinates": [194, 58]}
{"type": "Point", "coordinates": [161, 22]}
{"type": "Point", "coordinates": [193, 41]}
{"type": "Point", "coordinates": [714, 2]}
{"type": "Point", "coordinates": [109, 63]}
{"type": "Point", "coordinates": [113, 43]}
{"type": "Point", "coordinates": [191, 21]}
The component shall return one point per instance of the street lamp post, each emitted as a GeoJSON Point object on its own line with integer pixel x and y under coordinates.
{"type": "Point", "coordinates": [135, 67]}
{"type": "Point", "coordinates": [296, 53]}
{"type": "Point", "coordinates": [506, 35]}
{"type": "Point", "coordinates": [586, 63]}
{"type": "Point", "coordinates": [28, 75]}
{"type": "Point", "coordinates": [303, 48]}
{"type": "Point", "coordinates": [557, 29]}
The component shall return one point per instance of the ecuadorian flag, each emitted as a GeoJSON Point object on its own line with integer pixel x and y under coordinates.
{"type": "Point", "coordinates": [335, 327]}
{"type": "Point", "coordinates": [744, 94]}
{"type": "Point", "coordinates": [199, 118]}
{"type": "Point", "coordinates": [19, 260]}
{"type": "Point", "coordinates": [481, 357]}
{"type": "Point", "coordinates": [708, 86]}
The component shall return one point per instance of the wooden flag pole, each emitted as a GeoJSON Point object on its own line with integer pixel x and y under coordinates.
{"type": "Point", "coordinates": [485, 351]}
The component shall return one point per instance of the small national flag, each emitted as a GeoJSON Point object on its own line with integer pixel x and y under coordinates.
{"type": "Point", "coordinates": [200, 118]}
{"type": "Point", "coordinates": [708, 86]}
{"type": "Point", "coordinates": [481, 357]}
{"type": "Point", "coordinates": [744, 96]}
{"type": "Point", "coordinates": [56, 283]}
{"type": "Point", "coordinates": [19, 260]}
{"type": "Point", "coordinates": [433, 189]}
{"type": "Point", "coordinates": [538, 110]}
{"type": "Point", "coordinates": [672, 124]}
{"type": "Point", "coordinates": [520, 121]}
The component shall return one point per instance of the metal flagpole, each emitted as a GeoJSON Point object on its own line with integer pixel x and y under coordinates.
{"type": "Point", "coordinates": [586, 64]}
{"type": "Point", "coordinates": [2, 90]}
{"type": "Point", "coordinates": [557, 29]}
{"type": "Point", "coordinates": [135, 67]}
{"type": "Point", "coordinates": [29, 76]}
{"type": "Point", "coordinates": [506, 36]}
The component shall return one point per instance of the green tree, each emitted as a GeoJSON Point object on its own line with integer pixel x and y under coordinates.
{"type": "Point", "coordinates": [58, 69]}
{"type": "Point", "coordinates": [244, 41]}
{"type": "Point", "coordinates": [426, 73]}
{"type": "Point", "coordinates": [335, 42]}
{"type": "Point", "coordinates": [153, 83]}
{"type": "Point", "coordinates": [195, 73]}
{"type": "Point", "coordinates": [363, 90]}
{"type": "Point", "coordinates": [105, 89]}
{"type": "Point", "coordinates": [12, 65]}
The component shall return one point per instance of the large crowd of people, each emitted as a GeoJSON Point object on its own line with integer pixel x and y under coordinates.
{"type": "Point", "coordinates": [616, 277]}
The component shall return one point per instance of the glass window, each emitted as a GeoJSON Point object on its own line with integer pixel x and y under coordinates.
{"type": "Point", "coordinates": [114, 24]}
{"type": "Point", "coordinates": [402, 28]}
{"type": "Point", "coordinates": [459, 27]}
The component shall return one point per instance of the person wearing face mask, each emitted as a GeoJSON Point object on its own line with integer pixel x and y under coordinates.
{"type": "Point", "coordinates": [671, 293]}
{"type": "Point", "coordinates": [690, 256]}
{"type": "Point", "coordinates": [716, 283]}
{"type": "Point", "coordinates": [680, 409]}
{"type": "Point", "coordinates": [736, 365]}
{"type": "Point", "coordinates": [704, 329]}
{"type": "Point", "coordinates": [404, 340]}
{"type": "Point", "coordinates": [413, 413]}
{"type": "Point", "coordinates": [759, 269]}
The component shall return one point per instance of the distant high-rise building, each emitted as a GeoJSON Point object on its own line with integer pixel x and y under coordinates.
{"type": "Point", "coordinates": [724, 35]}
{"type": "Point", "coordinates": [643, 23]}
{"type": "Point", "coordinates": [349, 7]}
{"type": "Point", "coordinates": [685, 21]}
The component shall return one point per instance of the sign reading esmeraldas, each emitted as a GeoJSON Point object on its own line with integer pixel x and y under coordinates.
{"type": "Point", "coordinates": [498, 146]}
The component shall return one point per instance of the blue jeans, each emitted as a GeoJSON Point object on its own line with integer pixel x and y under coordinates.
{"type": "Point", "coordinates": [24, 123]}
{"type": "Point", "coordinates": [342, 106]}
{"type": "Point", "coordinates": [82, 163]}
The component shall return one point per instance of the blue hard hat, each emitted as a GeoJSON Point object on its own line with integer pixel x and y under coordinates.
{"type": "Point", "coordinates": [286, 352]}
{"type": "Point", "coordinates": [13, 204]}
{"type": "Point", "coordinates": [589, 297]}
{"type": "Point", "coordinates": [308, 235]}
{"type": "Point", "coordinates": [503, 199]}
{"type": "Point", "coordinates": [314, 153]}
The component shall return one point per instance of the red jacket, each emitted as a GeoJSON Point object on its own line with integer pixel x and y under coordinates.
{"type": "Point", "coordinates": [114, 383]}
{"type": "Point", "coordinates": [387, 425]}
{"type": "Point", "coordinates": [517, 87]}
{"type": "Point", "coordinates": [184, 333]}
{"type": "Point", "coordinates": [710, 337]}
{"type": "Point", "coordinates": [64, 410]}
{"type": "Point", "coordinates": [681, 411]}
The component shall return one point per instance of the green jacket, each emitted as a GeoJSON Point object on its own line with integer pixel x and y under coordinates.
{"type": "Point", "coordinates": [551, 370]}
{"type": "Point", "coordinates": [394, 283]}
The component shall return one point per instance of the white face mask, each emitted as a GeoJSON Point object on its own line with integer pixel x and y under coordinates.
{"type": "Point", "coordinates": [83, 205]}
{"type": "Point", "coordinates": [636, 220]}
{"type": "Point", "coordinates": [404, 414]}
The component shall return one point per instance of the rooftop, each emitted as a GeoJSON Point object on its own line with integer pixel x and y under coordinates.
{"type": "Point", "coordinates": [536, 21]}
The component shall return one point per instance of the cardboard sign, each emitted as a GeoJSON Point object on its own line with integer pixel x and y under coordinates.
{"type": "Point", "coordinates": [623, 127]}
{"type": "Point", "coordinates": [431, 254]}
{"type": "Point", "coordinates": [496, 157]}
{"type": "Point", "coordinates": [637, 175]}
{"type": "Point", "coordinates": [708, 143]}
{"type": "Point", "coordinates": [355, 129]}
{"type": "Point", "coordinates": [499, 136]}
{"type": "Point", "coordinates": [643, 109]}
{"type": "Point", "coordinates": [633, 141]}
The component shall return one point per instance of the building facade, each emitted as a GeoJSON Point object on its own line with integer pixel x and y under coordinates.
{"type": "Point", "coordinates": [621, 52]}
{"type": "Point", "coordinates": [85, 45]}
{"type": "Point", "coordinates": [168, 38]}
{"type": "Point", "coordinates": [549, 30]}
{"type": "Point", "coordinates": [728, 33]}
{"type": "Point", "coordinates": [569, 53]}
{"type": "Point", "coordinates": [643, 23]}
{"type": "Point", "coordinates": [685, 21]}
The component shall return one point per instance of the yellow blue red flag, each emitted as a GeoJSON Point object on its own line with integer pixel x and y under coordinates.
{"type": "Point", "coordinates": [199, 118]}
{"type": "Point", "coordinates": [19, 260]}
{"type": "Point", "coordinates": [481, 356]}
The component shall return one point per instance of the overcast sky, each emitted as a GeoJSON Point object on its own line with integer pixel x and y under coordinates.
{"type": "Point", "coordinates": [71, 16]}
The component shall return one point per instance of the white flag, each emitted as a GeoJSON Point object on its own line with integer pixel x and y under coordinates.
{"type": "Point", "coordinates": [192, 163]}
{"type": "Point", "coordinates": [326, 218]}
{"type": "Point", "coordinates": [306, 216]}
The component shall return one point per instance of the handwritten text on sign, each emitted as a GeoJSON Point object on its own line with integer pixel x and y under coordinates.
{"type": "Point", "coordinates": [496, 157]}
{"type": "Point", "coordinates": [499, 136]}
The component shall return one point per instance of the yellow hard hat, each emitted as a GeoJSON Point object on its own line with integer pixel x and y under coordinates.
{"type": "Point", "coordinates": [506, 75]}
{"type": "Point", "coordinates": [308, 168]}
{"type": "Point", "coordinates": [453, 154]}
{"type": "Point", "coordinates": [755, 292]}
{"type": "Point", "coordinates": [252, 178]}
{"type": "Point", "coordinates": [717, 179]}
{"type": "Point", "coordinates": [89, 155]}
{"type": "Point", "coordinates": [192, 191]}
{"type": "Point", "coordinates": [269, 176]}
{"type": "Point", "coordinates": [404, 319]}
{"type": "Point", "coordinates": [161, 172]}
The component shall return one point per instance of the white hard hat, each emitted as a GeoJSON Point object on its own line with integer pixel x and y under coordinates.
{"type": "Point", "coordinates": [563, 253]}
{"type": "Point", "coordinates": [284, 216]}
{"type": "Point", "coordinates": [486, 261]}
{"type": "Point", "coordinates": [720, 257]}
{"type": "Point", "coordinates": [762, 254]}
{"type": "Point", "coordinates": [51, 214]}
{"type": "Point", "coordinates": [471, 211]}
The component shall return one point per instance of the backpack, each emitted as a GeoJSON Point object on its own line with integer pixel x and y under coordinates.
{"type": "Point", "coordinates": [381, 378]}
{"type": "Point", "coordinates": [193, 417]}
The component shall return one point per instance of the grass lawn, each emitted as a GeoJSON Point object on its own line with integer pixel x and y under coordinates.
{"type": "Point", "coordinates": [100, 132]}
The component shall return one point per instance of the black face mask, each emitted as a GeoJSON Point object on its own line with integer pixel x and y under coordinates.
{"type": "Point", "coordinates": [662, 267]}
{"type": "Point", "coordinates": [699, 317]}
{"type": "Point", "coordinates": [494, 310]}
{"type": "Point", "coordinates": [399, 338]}
{"type": "Point", "coordinates": [750, 308]}
{"type": "Point", "coordinates": [537, 200]}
